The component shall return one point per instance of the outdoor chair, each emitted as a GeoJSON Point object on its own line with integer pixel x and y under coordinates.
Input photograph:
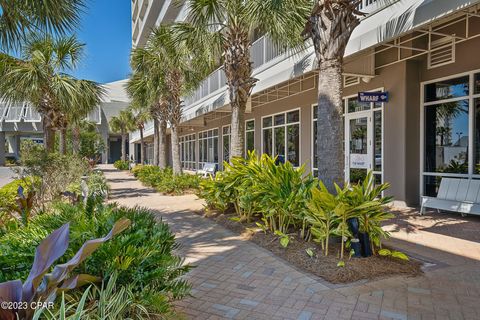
{"type": "Point", "coordinates": [457, 195]}
{"type": "Point", "coordinates": [208, 170]}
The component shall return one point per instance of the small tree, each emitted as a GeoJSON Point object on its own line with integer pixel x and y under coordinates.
{"type": "Point", "coordinates": [123, 124]}
{"type": "Point", "coordinates": [140, 116]}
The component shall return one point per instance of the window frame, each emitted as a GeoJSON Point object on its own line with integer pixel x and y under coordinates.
{"type": "Point", "coordinates": [471, 127]}
{"type": "Point", "coordinates": [273, 126]}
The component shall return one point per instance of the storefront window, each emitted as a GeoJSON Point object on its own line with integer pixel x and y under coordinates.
{"type": "Point", "coordinates": [446, 137]}
{"type": "Point", "coordinates": [314, 140]}
{"type": "Point", "coordinates": [281, 136]}
{"type": "Point", "coordinates": [355, 106]}
{"type": "Point", "coordinates": [249, 136]}
{"type": "Point", "coordinates": [208, 145]}
{"type": "Point", "coordinates": [447, 89]}
{"type": "Point", "coordinates": [187, 152]}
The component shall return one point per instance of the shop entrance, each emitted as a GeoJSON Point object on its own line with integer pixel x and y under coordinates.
{"type": "Point", "coordinates": [363, 140]}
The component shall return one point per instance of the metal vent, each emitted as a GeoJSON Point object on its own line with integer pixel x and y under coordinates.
{"type": "Point", "coordinates": [350, 81]}
{"type": "Point", "coordinates": [442, 52]}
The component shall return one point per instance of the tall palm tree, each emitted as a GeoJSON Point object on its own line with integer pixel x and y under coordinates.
{"type": "Point", "coordinates": [39, 77]}
{"type": "Point", "coordinates": [19, 17]}
{"type": "Point", "coordinates": [140, 116]}
{"type": "Point", "coordinates": [330, 25]}
{"type": "Point", "coordinates": [146, 85]}
{"type": "Point", "coordinates": [177, 71]}
{"type": "Point", "coordinates": [224, 29]}
{"type": "Point", "coordinates": [123, 124]}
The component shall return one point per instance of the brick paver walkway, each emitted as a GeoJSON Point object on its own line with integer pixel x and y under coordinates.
{"type": "Point", "coordinates": [235, 279]}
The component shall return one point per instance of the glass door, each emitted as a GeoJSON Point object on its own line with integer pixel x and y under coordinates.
{"type": "Point", "coordinates": [359, 147]}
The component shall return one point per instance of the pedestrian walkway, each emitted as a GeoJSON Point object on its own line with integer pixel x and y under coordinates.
{"type": "Point", "coordinates": [235, 279]}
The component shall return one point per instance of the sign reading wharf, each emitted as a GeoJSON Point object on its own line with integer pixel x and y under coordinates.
{"type": "Point", "coordinates": [373, 97]}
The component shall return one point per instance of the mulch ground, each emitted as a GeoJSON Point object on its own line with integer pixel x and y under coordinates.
{"type": "Point", "coordinates": [355, 269]}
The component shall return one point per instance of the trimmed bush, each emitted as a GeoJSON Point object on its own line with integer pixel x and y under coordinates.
{"type": "Point", "coordinates": [121, 165]}
{"type": "Point", "coordinates": [165, 181]}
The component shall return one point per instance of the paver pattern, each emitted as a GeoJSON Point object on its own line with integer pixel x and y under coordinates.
{"type": "Point", "coordinates": [235, 279]}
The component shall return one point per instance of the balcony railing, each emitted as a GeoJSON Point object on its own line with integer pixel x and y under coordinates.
{"type": "Point", "coordinates": [262, 51]}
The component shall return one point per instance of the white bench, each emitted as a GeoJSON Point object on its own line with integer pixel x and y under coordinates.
{"type": "Point", "coordinates": [458, 195]}
{"type": "Point", "coordinates": [209, 169]}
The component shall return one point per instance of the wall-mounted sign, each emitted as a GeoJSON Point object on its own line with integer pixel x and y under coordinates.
{"type": "Point", "coordinates": [359, 161]}
{"type": "Point", "coordinates": [373, 96]}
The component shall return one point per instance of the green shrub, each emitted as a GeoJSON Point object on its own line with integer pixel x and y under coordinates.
{"type": "Point", "coordinates": [8, 196]}
{"type": "Point", "coordinates": [164, 180]}
{"type": "Point", "coordinates": [258, 185]}
{"type": "Point", "coordinates": [121, 164]}
{"type": "Point", "coordinates": [142, 256]}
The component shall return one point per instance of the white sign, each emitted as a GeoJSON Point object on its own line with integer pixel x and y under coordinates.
{"type": "Point", "coordinates": [359, 161]}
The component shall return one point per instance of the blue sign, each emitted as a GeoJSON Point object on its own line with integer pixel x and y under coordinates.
{"type": "Point", "coordinates": [373, 96]}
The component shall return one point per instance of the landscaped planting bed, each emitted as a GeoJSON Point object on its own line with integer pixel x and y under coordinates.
{"type": "Point", "coordinates": [355, 269]}
{"type": "Point", "coordinates": [296, 217]}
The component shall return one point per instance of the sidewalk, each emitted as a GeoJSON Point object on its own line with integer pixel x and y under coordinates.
{"type": "Point", "coordinates": [235, 279]}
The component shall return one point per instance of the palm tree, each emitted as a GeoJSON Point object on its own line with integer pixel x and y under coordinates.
{"type": "Point", "coordinates": [177, 71]}
{"type": "Point", "coordinates": [18, 17]}
{"type": "Point", "coordinates": [39, 77]}
{"type": "Point", "coordinates": [87, 97]}
{"type": "Point", "coordinates": [140, 116]}
{"type": "Point", "coordinates": [330, 25]}
{"type": "Point", "coordinates": [146, 85]}
{"type": "Point", "coordinates": [224, 29]}
{"type": "Point", "coordinates": [123, 124]}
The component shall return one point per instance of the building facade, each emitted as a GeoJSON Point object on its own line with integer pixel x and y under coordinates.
{"type": "Point", "coordinates": [21, 122]}
{"type": "Point", "coordinates": [419, 54]}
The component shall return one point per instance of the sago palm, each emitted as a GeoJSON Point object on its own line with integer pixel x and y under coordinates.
{"type": "Point", "coordinates": [38, 76]}
{"type": "Point", "coordinates": [19, 17]}
{"type": "Point", "coordinates": [224, 29]}
{"type": "Point", "coordinates": [123, 124]}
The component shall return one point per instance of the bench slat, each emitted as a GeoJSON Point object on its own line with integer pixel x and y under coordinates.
{"type": "Point", "coordinates": [442, 191]}
{"type": "Point", "coordinates": [462, 190]}
{"type": "Point", "coordinates": [452, 189]}
{"type": "Point", "coordinates": [473, 191]}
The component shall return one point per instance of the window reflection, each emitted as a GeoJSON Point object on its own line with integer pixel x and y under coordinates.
{"type": "Point", "coordinates": [447, 89]}
{"type": "Point", "coordinates": [446, 137]}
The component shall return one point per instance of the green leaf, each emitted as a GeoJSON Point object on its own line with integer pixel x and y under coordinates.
{"type": "Point", "coordinates": [341, 264]}
{"type": "Point", "coordinates": [235, 219]}
{"type": "Point", "coordinates": [310, 252]}
{"type": "Point", "coordinates": [385, 252]}
{"type": "Point", "coordinates": [400, 255]}
{"type": "Point", "coordinates": [284, 241]}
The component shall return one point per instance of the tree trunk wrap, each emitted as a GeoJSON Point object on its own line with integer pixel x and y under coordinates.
{"type": "Point", "coordinates": [162, 144]}
{"type": "Point", "coordinates": [176, 162]}
{"type": "Point", "coordinates": [330, 132]}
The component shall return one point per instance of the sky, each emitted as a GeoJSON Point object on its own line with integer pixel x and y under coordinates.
{"type": "Point", "coordinates": [106, 30]}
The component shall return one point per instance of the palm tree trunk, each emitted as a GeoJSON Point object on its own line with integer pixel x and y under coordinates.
{"type": "Point", "coordinates": [63, 141]}
{"type": "Point", "coordinates": [48, 135]}
{"type": "Point", "coordinates": [76, 139]}
{"type": "Point", "coordinates": [124, 149]}
{"type": "Point", "coordinates": [156, 141]}
{"type": "Point", "coordinates": [142, 147]}
{"type": "Point", "coordinates": [238, 70]}
{"type": "Point", "coordinates": [176, 163]}
{"type": "Point", "coordinates": [238, 130]}
{"type": "Point", "coordinates": [330, 124]}
{"type": "Point", "coordinates": [162, 144]}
